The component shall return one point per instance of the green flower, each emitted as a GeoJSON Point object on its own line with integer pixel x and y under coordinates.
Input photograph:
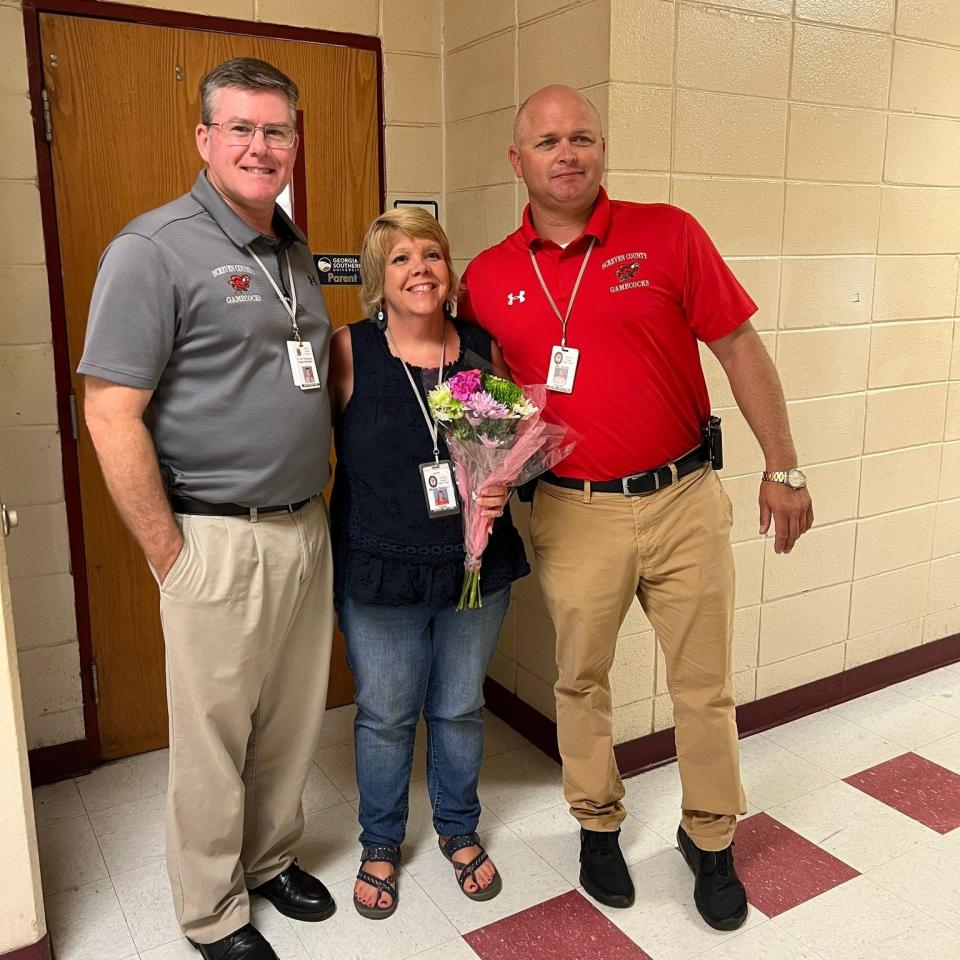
{"type": "Point", "coordinates": [503, 391]}
{"type": "Point", "coordinates": [444, 406]}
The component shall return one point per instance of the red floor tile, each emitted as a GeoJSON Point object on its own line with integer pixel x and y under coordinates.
{"type": "Point", "coordinates": [780, 869]}
{"type": "Point", "coordinates": [564, 928]}
{"type": "Point", "coordinates": [916, 787]}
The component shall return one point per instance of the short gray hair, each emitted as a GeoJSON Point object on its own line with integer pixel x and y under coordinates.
{"type": "Point", "coordinates": [245, 73]}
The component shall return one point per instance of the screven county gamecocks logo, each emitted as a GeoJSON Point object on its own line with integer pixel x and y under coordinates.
{"type": "Point", "coordinates": [627, 272]}
{"type": "Point", "coordinates": [238, 282]}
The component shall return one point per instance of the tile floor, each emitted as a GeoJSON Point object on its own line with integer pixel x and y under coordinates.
{"type": "Point", "coordinates": [851, 849]}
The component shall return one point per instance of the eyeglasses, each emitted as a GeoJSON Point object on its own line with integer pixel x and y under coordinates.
{"type": "Point", "coordinates": [240, 134]}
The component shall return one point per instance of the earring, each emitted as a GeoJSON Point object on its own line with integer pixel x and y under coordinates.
{"type": "Point", "coordinates": [380, 319]}
{"type": "Point", "coordinates": [451, 306]}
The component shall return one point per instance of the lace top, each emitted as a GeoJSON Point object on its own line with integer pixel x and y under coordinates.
{"type": "Point", "coordinates": [387, 550]}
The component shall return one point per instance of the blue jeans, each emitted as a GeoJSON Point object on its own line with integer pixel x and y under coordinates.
{"type": "Point", "coordinates": [407, 659]}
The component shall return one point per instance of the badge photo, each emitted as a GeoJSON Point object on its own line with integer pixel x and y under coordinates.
{"type": "Point", "coordinates": [439, 488]}
{"type": "Point", "coordinates": [562, 368]}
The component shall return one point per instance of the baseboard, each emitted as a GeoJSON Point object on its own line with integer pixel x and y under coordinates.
{"type": "Point", "coordinates": [36, 951]}
{"type": "Point", "coordinates": [50, 764]}
{"type": "Point", "coordinates": [657, 748]}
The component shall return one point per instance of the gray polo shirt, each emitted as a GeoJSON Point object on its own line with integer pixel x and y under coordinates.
{"type": "Point", "coordinates": [181, 308]}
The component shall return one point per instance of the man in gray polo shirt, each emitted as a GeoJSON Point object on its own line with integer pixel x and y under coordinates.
{"type": "Point", "coordinates": [205, 396]}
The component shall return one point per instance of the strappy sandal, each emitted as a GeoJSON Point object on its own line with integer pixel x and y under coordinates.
{"type": "Point", "coordinates": [378, 854]}
{"type": "Point", "coordinates": [464, 871]}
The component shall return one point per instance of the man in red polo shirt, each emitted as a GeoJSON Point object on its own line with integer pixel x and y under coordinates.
{"type": "Point", "coordinates": [606, 301]}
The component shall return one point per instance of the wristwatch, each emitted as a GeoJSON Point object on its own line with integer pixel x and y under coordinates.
{"type": "Point", "coordinates": [795, 479]}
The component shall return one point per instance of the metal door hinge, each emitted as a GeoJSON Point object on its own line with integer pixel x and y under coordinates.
{"type": "Point", "coordinates": [47, 118]}
{"type": "Point", "coordinates": [73, 414]}
{"type": "Point", "coordinates": [95, 676]}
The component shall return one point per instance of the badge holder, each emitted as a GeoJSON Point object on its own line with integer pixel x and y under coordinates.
{"type": "Point", "coordinates": [439, 488]}
{"type": "Point", "coordinates": [562, 370]}
{"type": "Point", "coordinates": [302, 365]}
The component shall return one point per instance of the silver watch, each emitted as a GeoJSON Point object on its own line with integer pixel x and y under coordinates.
{"type": "Point", "coordinates": [796, 479]}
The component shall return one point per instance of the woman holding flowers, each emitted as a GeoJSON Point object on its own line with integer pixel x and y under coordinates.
{"type": "Point", "coordinates": [399, 556]}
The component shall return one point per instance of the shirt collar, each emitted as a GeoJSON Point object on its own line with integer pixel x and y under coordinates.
{"type": "Point", "coordinates": [236, 229]}
{"type": "Point", "coordinates": [597, 226]}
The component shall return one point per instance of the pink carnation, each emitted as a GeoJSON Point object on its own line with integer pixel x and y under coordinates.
{"type": "Point", "coordinates": [465, 383]}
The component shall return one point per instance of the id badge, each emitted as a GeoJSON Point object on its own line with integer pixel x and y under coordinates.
{"type": "Point", "coordinates": [439, 488]}
{"type": "Point", "coordinates": [302, 365]}
{"type": "Point", "coordinates": [562, 369]}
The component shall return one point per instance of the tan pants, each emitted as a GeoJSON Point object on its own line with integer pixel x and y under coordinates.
{"type": "Point", "coordinates": [247, 619]}
{"type": "Point", "coordinates": [671, 549]}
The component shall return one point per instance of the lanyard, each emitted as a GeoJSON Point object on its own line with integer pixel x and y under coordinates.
{"type": "Point", "coordinates": [432, 425]}
{"type": "Point", "coordinates": [289, 305]}
{"type": "Point", "coordinates": [573, 294]}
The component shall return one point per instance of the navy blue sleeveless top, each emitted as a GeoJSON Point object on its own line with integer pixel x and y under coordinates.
{"type": "Point", "coordinates": [386, 549]}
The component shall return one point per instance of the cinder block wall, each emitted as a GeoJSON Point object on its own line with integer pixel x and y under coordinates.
{"type": "Point", "coordinates": [819, 143]}
{"type": "Point", "coordinates": [31, 476]}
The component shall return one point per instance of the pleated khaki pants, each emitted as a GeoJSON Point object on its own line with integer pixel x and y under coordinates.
{"type": "Point", "coordinates": [247, 619]}
{"type": "Point", "coordinates": [671, 549]}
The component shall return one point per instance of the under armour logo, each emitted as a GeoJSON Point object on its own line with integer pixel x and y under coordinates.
{"type": "Point", "coordinates": [516, 297]}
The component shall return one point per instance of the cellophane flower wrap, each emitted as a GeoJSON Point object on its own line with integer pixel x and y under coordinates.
{"type": "Point", "coordinates": [496, 434]}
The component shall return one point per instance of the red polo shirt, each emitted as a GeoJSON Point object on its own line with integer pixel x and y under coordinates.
{"type": "Point", "coordinates": [653, 286]}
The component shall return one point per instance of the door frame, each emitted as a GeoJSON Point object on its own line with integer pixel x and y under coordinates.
{"type": "Point", "coordinates": [48, 764]}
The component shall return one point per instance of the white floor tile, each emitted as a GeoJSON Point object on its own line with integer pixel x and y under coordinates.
{"type": "Point", "coordinates": [278, 930]}
{"type": "Point", "coordinates": [57, 801]}
{"type": "Point", "coordinates": [519, 782]}
{"type": "Point", "coordinates": [664, 920]}
{"type": "Point", "coordinates": [87, 924]}
{"type": "Point", "coordinates": [337, 726]}
{"type": "Point", "coordinates": [555, 836]}
{"type": "Point", "coordinates": [319, 792]}
{"type": "Point", "coordinates": [451, 950]}
{"type": "Point", "coordinates": [945, 752]}
{"type": "Point", "coordinates": [766, 941]}
{"type": "Point", "coordinates": [772, 774]}
{"type": "Point", "coordinates": [69, 854]}
{"type": "Point", "coordinates": [841, 747]}
{"type": "Point", "coordinates": [329, 848]}
{"type": "Point", "coordinates": [898, 718]}
{"type": "Point", "coordinates": [927, 877]}
{"type": "Point", "coordinates": [654, 799]}
{"type": "Point", "coordinates": [124, 781]}
{"type": "Point", "coordinates": [147, 903]}
{"type": "Point", "coordinates": [131, 835]}
{"type": "Point", "coordinates": [416, 926]}
{"type": "Point", "coordinates": [859, 920]}
{"type": "Point", "coordinates": [854, 827]}
{"type": "Point", "coordinates": [499, 738]}
{"type": "Point", "coordinates": [175, 950]}
{"type": "Point", "coordinates": [938, 688]}
{"type": "Point", "coordinates": [527, 880]}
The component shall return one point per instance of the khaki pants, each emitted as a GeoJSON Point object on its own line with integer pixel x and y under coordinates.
{"type": "Point", "coordinates": [671, 549]}
{"type": "Point", "coordinates": [247, 620]}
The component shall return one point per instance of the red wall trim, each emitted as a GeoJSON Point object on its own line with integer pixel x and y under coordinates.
{"type": "Point", "coordinates": [55, 763]}
{"type": "Point", "coordinates": [641, 754]}
{"type": "Point", "coordinates": [36, 951]}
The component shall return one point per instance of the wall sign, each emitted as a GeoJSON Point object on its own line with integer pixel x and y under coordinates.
{"type": "Point", "coordinates": [429, 205]}
{"type": "Point", "coordinates": [338, 269]}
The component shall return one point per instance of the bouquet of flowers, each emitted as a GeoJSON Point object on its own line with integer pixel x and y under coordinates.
{"type": "Point", "coordinates": [496, 434]}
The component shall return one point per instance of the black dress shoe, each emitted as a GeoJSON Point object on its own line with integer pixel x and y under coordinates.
{"type": "Point", "coordinates": [297, 894]}
{"type": "Point", "coordinates": [717, 890]}
{"type": "Point", "coordinates": [603, 871]}
{"type": "Point", "coordinates": [247, 943]}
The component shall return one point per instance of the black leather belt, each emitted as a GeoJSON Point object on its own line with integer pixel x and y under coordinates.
{"type": "Point", "coordinates": [201, 508]}
{"type": "Point", "coordinates": [638, 484]}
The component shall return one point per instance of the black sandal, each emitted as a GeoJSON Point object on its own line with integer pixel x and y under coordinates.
{"type": "Point", "coordinates": [464, 871]}
{"type": "Point", "coordinates": [377, 854]}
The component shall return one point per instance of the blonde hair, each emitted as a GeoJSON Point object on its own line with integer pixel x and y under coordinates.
{"type": "Point", "coordinates": [380, 239]}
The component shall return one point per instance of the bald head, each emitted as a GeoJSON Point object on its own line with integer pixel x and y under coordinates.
{"type": "Point", "coordinates": [545, 103]}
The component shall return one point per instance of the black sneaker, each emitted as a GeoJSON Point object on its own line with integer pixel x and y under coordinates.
{"type": "Point", "coordinates": [247, 943]}
{"type": "Point", "coordinates": [717, 890]}
{"type": "Point", "coordinates": [603, 871]}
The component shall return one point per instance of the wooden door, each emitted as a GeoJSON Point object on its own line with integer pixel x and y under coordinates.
{"type": "Point", "coordinates": [124, 104]}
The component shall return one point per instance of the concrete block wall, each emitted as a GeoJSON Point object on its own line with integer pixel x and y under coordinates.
{"type": "Point", "coordinates": [818, 141]}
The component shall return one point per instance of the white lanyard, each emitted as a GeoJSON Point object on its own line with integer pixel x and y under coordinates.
{"type": "Point", "coordinates": [432, 425]}
{"type": "Point", "coordinates": [573, 294]}
{"type": "Point", "coordinates": [289, 305]}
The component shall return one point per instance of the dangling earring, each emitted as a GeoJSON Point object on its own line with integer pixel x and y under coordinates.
{"type": "Point", "coordinates": [451, 306]}
{"type": "Point", "coordinates": [380, 321]}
